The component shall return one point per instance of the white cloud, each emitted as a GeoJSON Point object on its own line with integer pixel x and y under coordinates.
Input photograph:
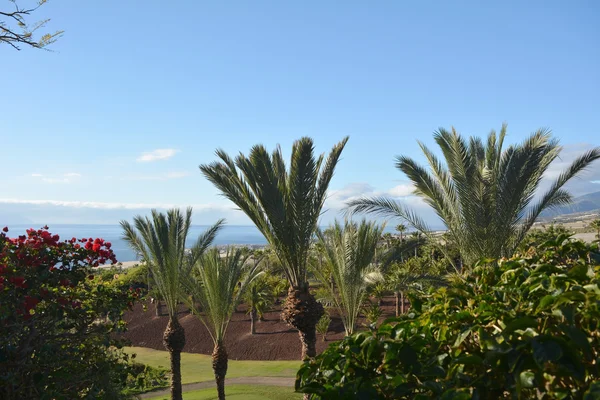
{"type": "Point", "coordinates": [112, 205]}
{"type": "Point", "coordinates": [158, 154]}
{"type": "Point", "coordinates": [401, 190]}
{"type": "Point", "coordinates": [37, 175]}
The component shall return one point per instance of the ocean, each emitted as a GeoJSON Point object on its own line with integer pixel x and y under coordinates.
{"type": "Point", "coordinates": [229, 235]}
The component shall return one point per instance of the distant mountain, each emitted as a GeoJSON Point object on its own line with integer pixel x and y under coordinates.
{"type": "Point", "coordinates": [587, 202]}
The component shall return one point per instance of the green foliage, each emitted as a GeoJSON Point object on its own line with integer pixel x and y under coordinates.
{"type": "Point", "coordinates": [161, 242]}
{"type": "Point", "coordinates": [323, 325]}
{"type": "Point", "coordinates": [259, 295]}
{"type": "Point", "coordinates": [276, 284]}
{"type": "Point", "coordinates": [144, 378]}
{"type": "Point", "coordinates": [349, 251]}
{"type": "Point", "coordinates": [595, 224]}
{"type": "Point", "coordinates": [372, 313]}
{"type": "Point", "coordinates": [523, 328]}
{"type": "Point", "coordinates": [536, 237]}
{"type": "Point", "coordinates": [217, 286]}
{"type": "Point", "coordinates": [378, 290]}
{"type": "Point", "coordinates": [484, 194]}
{"type": "Point", "coordinates": [284, 202]}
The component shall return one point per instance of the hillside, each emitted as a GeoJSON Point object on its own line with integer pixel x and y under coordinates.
{"type": "Point", "coordinates": [587, 202]}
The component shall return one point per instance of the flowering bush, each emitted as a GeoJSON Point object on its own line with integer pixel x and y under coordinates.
{"type": "Point", "coordinates": [523, 328]}
{"type": "Point", "coordinates": [57, 319]}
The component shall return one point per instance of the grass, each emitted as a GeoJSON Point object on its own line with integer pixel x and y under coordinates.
{"type": "Point", "coordinates": [198, 367]}
{"type": "Point", "coordinates": [245, 392]}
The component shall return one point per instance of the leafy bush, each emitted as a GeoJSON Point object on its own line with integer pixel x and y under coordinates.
{"type": "Point", "coordinates": [57, 319]}
{"type": "Point", "coordinates": [144, 378]}
{"type": "Point", "coordinates": [323, 325]}
{"type": "Point", "coordinates": [523, 328]}
{"type": "Point", "coordinates": [372, 313]}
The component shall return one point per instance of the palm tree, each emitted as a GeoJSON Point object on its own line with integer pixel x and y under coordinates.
{"type": "Point", "coordinates": [595, 224]}
{"type": "Point", "coordinates": [161, 243]}
{"type": "Point", "coordinates": [285, 204]}
{"type": "Point", "coordinates": [401, 228]}
{"type": "Point", "coordinates": [349, 251]}
{"type": "Point", "coordinates": [258, 299]}
{"type": "Point", "coordinates": [483, 194]}
{"type": "Point", "coordinates": [409, 275]}
{"type": "Point", "coordinates": [217, 284]}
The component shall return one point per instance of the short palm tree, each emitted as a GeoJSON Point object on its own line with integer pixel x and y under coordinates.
{"type": "Point", "coordinates": [258, 299]}
{"type": "Point", "coordinates": [595, 224]}
{"type": "Point", "coordinates": [409, 275]}
{"type": "Point", "coordinates": [161, 243]}
{"type": "Point", "coordinates": [217, 283]}
{"type": "Point", "coordinates": [284, 202]}
{"type": "Point", "coordinates": [485, 195]}
{"type": "Point", "coordinates": [349, 253]}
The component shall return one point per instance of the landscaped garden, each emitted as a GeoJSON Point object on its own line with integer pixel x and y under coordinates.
{"type": "Point", "coordinates": [486, 309]}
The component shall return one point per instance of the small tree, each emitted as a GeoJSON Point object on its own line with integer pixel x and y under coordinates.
{"type": "Point", "coordinates": [162, 243]}
{"type": "Point", "coordinates": [217, 283]}
{"type": "Point", "coordinates": [349, 252]}
{"type": "Point", "coordinates": [323, 325]}
{"type": "Point", "coordinates": [258, 299]}
{"type": "Point", "coordinates": [15, 31]}
{"type": "Point", "coordinates": [595, 224]}
{"type": "Point", "coordinates": [401, 228]}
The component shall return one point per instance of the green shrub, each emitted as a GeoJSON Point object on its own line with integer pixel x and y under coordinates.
{"type": "Point", "coordinates": [323, 325]}
{"type": "Point", "coordinates": [59, 323]}
{"type": "Point", "coordinates": [524, 328]}
{"type": "Point", "coordinates": [144, 378]}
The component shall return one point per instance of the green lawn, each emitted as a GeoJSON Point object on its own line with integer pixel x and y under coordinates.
{"type": "Point", "coordinates": [245, 392]}
{"type": "Point", "coordinates": [198, 367]}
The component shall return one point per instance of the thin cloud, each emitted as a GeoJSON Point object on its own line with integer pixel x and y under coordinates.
{"type": "Point", "coordinates": [64, 178]}
{"type": "Point", "coordinates": [160, 177]}
{"type": "Point", "coordinates": [112, 205]}
{"type": "Point", "coordinates": [156, 155]}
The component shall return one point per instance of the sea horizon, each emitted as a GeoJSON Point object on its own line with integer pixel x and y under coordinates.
{"type": "Point", "coordinates": [230, 235]}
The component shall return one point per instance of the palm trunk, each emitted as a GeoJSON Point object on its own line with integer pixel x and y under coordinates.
{"type": "Point", "coordinates": [397, 298]}
{"type": "Point", "coordinates": [402, 302]}
{"type": "Point", "coordinates": [302, 311]}
{"type": "Point", "coordinates": [158, 312]}
{"type": "Point", "coordinates": [219, 363]}
{"type": "Point", "coordinates": [252, 320]}
{"type": "Point", "coordinates": [174, 341]}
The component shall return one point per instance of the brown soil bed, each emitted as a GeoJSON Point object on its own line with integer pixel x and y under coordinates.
{"type": "Point", "coordinates": [274, 340]}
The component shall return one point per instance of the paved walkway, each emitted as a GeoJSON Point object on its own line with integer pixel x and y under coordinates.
{"type": "Point", "coordinates": [250, 380]}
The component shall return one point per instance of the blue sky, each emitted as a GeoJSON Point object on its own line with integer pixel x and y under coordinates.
{"type": "Point", "coordinates": [130, 78]}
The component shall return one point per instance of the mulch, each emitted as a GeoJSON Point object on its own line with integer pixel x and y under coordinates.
{"type": "Point", "coordinates": [274, 339]}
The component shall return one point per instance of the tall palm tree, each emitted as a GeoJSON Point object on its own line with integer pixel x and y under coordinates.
{"type": "Point", "coordinates": [217, 284]}
{"type": "Point", "coordinates": [285, 203]}
{"type": "Point", "coordinates": [161, 243]}
{"type": "Point", "coordinates": [485, 195]}
{"type": "Point", "coordinates": [349, 252]}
